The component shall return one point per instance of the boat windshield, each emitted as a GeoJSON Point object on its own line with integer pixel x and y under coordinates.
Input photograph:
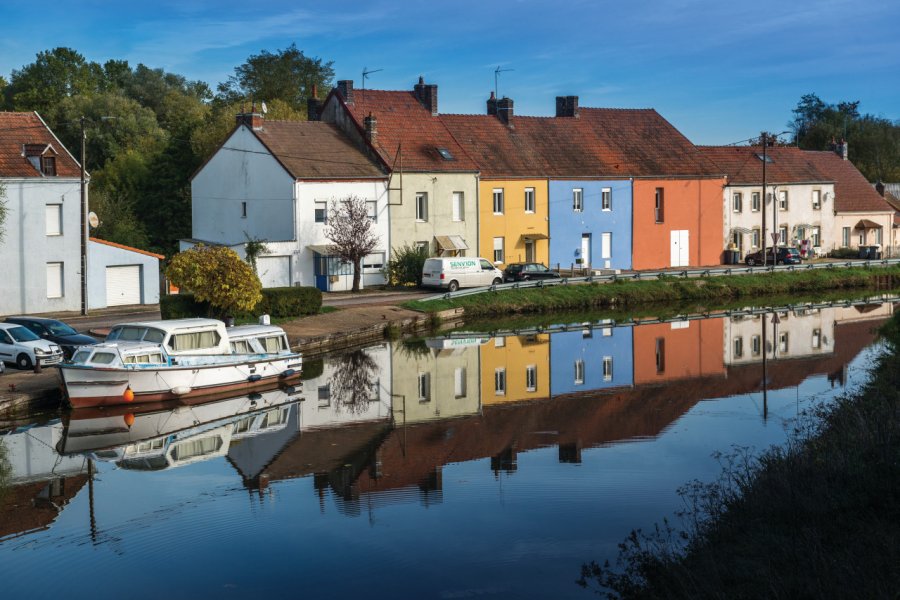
{"type": "Point", "coordinates": [81, 357]}
{"type": "Point", "coordinates": [103, 358]}
{"type": "Point", "coordinates": [274, 343]}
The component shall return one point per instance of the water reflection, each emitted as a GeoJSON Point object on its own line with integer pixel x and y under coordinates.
{"type": "Point", "coordinates": [380, 426]}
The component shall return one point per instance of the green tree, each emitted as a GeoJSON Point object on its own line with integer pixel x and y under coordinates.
{"type": "Point", "coordinates": [287, 75]}
{"type": "Point", "coordinates": [220, 121]}
{"type": "Point", "coordinates": [217, 275]}
{"type": "Point", "coordinates": [54, 75]}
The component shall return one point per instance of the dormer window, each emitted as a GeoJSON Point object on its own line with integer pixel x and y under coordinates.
{"type": "Point", "coordinates": [48, 166]}
{"type": "Point", "coordinates": [42, 157]}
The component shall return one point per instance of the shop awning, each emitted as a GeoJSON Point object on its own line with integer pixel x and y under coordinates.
{"type": "Point", "coordinates": [741, 230]}
{"type": "Point", "coordinates": [451, 242]}
{"type": "Point", "coordinates": [534, 236]}
{"type": "Point", "coordinates": [867, 224]}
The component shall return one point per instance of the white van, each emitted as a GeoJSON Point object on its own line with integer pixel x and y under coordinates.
{"type": "Point", "coordinates": [454, 272]}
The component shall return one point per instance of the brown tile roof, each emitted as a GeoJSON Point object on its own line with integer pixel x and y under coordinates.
{"type": "Point", "coordinates": [20, 129]}
{"type": "Point", "coordinates": [852, 192]}
{"type": "Point", "coordinates": [402, 120]}
{"type": "Point", "coordinates": [316, 150]}
{"type": "Point", "coordinates": [129, 248]}
{"type": "Point", "coordinates": [743, 166]}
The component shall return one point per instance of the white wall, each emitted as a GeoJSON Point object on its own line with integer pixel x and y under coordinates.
{"type": "Point", "coordinates": [101, 256]}
{"type": "Point", "coordinates": [242, 171]}
{"type": "Point", "coordinates": [810, 332]}
{"type": "Point", "coordinates": [26, 248]}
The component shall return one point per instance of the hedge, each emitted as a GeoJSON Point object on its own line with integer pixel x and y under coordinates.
{"type": "Point", "coordinates": [278, 303]}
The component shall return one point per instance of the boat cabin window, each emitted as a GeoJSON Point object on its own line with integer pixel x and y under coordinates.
{"type": "Point", "coordinates": [274, 343]}
{"type": "Point", "coordinates": [128, 333]}
{"type": "Point", "coordinates": [153, 358]}
{"type": "Point", "coordinates": [241, 347]}
{"type": "Point", "coordinates": [198, 340]}
{"type": "Point", "coordinates": [103, 358]}
{"type": "Point", "coordinates": [193, 448]}
{"type": "Point", "coordinates": [81, 357]}
{"type": "Point", "coordinates": [274, 418]}
{"type": "Point", "coordinates": [154, 335]}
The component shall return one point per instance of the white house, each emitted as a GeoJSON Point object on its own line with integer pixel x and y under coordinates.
{"type": "Point", "coordinates": [273, 181]}
{"type": "Point", "coordinates": [40, 268]}
{"type": "Point", "coordinates": [803, 198]}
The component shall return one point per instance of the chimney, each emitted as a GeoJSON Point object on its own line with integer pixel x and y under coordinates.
{"type": "Point", "coordinates": [567, 106]}
{"type": "Point", "coordinates": [492, 105]}
{"type": "Point", "coordinates": [314, 106]}
{"type": "Point", "coordinates": [427, 95]}
{"type": "Point", "coordinates": [371, 129]}
{"type": "Point", "coordinates": [505, 110]}
{"type": "Point", "coordinates": [845, 150]}
{"type": "Point", "coordinates": [345, 89]}
{"type": "Point", "coordinates": [253, 119]}
{"type": "Point", "coordinates": [879, 187]}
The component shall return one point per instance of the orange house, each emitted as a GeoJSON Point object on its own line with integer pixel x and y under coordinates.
{"type": "Point", "coordinates": [683, 350]}
{"type": "Point", "coordinates": [677, 222]}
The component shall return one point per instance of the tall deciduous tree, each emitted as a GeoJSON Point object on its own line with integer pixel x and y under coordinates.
{"type": "Point", "coordinates": [54, 75]}
{"type": "Point", "coordinates": [217, 275]}
{"type": "Point", "coordinates": [287, 75]}
{"type": "Point", "coordinates": [349, 228]}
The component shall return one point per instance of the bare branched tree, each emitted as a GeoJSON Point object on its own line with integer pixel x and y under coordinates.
{"type": "Point", "coordinates": [349, 229]}
{"type": "Point", "coordinates": [353, 381]}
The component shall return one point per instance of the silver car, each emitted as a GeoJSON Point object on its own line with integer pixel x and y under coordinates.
{"type": "Point", "coordinates": [20, 346]}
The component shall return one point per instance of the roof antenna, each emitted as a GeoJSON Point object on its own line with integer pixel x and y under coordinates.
{"type": "Point", "coordinates": [365, 75]}
{"type": "Point", "coordinates": [497, 72]}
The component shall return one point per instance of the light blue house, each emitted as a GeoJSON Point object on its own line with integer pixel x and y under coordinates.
{"type": "Point", "coordinates": [591, 359]}
{"type": "Point", "coordinates": [590, 223]}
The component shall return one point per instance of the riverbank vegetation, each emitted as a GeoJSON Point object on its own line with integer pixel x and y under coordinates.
{"type": "Point", "coordinates": [817, 518]}
{"type": "Point", "coordinates": [667, 290]}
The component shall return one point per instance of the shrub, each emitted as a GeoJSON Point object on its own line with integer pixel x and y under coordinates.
{"type": "Point", "coordinates": [182, 306]}
{"type": "Point", "coordinates": [217, 275]}
{"type": "Point", "coordinates": [845, 253]}
{"type": "Point", "coordinates": [405, 266]}
{"type": "Point", "coordinates": [278, 303]}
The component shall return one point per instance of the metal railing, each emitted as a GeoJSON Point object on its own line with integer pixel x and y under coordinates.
{"type": "Point", "coordinates": [650, 275]}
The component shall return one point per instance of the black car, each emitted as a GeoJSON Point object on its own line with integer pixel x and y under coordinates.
{"type": "Point", "coordinates": [55, 331]}
{"type": "Point", "coordinates": [527, 271]}
{"type": "Point", "coordinates": [780, 256]}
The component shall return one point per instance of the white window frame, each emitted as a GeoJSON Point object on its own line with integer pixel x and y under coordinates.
{"type": "Point", "coordinates": [372, 210]}
{"type": "Point", "coordinates": [845, 237]}
{"type": "Point", "coordinates": [458, 201]}
{"type": "Point", "coordinates": [739, 347]}
{"type": "Point", "coordinates": [755, 201]}
{"type": "Point", "coordinates": [321, 207]}
{"type": "Point", "coordinates": [498, 201]}
{"type": "Point", "coordinates": [577, 199]}
{"type": "Point", "coordinates": [500, 381]}
{"type": "Point", "coordinates": [422, 207]}
{"type": "Point", "coordinates": [56, 287]}
{"type": "Point", "coordinates": [783, 201]}
{"type": "Point", "coordinates": [606, 199]}
{"type": "Point", "coordinates": [756, 345]}
{"type": "Point", "coordinates": [499, 252]}
{"type": "Point", "coordinates": [459, 382]}
{"type": "Point", "coordinates": [579, 372]}
{"type": "Point", "coordinates": [783, 235]}
{"type": "Point", "coordinates": [737, 202]}
{"type": "Point", "coordinates": [424, 387]}
{"type": "Point", "coordinates": [607, 368]}
{"type": "Point", "coordinates": [53, 217]}
{"type": "Point", "coordinates": [531, 378]}
{"type": "Point", "coordinates": [755, 237]}
{"type": "Point", "coordinates": [529, 200]}
{"type": "Point", "coordinates": [817, 199]}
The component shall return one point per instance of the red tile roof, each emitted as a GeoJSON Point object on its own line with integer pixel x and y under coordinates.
{"type": "Point", "coordinates": [743, 165]}
{"type": "Point", "coordinates": [852, 192]}
{"type": "Point", "coordinates": [403, 121]}
{"type": "Point", "coordinates": [315, 150]}
{"type": "Point", "coordinates": [129, 248]}
{"type": "Point", "coordinates": [20, 129]}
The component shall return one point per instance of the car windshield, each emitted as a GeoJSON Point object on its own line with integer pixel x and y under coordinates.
{"type": "Point", "coordinates": [20, 334]}
{"type": "Point", "coordinates": [59, 328]}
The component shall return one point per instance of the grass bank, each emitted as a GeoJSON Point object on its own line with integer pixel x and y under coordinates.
{"type": "Point", "coordinates": [818, 518]}
{"type": "Point", "coordinates": [668, 290]}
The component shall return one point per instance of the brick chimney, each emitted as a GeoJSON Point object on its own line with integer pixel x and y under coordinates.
{"type": "Point", "coordinates": [314, 106]}
{"type": "Point", "coordinates": [427, 95]}
{"type": "Point", "coordinates": [879, 187]}
{"type": "Point", "coordinates": [845, 149]}
{"type": "Point", "coordinates": [841, 149]}
{"type": "Point", "coordinates": [505, 110]}
{"type": "Point", "coordinates": [492, 105]}
{"type": "Point", "coordinates": [345, 89]}
{"type": "Point", "coordinates": [253, 120]}
{"type": "Point", "coordinates": [371, 124]}
{"type": "Point", "coordinates": [567, 106]}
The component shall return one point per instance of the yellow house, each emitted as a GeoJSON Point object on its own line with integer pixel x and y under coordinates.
{"type": "Point", "coordinates": [515, 369]}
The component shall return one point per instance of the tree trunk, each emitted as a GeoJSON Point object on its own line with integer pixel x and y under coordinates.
{"type": "Point", "coordinates": [357, 267]}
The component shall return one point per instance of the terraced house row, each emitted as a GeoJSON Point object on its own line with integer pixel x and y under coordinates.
{"type": "Point", "coordinates": [588, 187]}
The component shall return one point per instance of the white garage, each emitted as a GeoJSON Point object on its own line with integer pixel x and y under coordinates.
{"type": "Point", "coordinates": [274, 271]}
{"type": "Point", "coordinates": [119, 275]}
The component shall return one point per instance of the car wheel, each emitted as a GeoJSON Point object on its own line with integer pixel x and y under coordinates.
{"type": "Point", "coordinates": [496, 281]}
{"type": "Point", "coordinates": [23, 361]}
{"type": "Point", "coordinates": [750, 261]}
{"type": "Point", "coordinates": [779, 262]}
{"type": "Point", "coordinates": [453, 286]}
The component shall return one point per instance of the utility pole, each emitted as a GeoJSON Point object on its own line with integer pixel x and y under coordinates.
{"type": "Point", "coordinates": [762, 211]}
{"type": "Point", "coordinates": [84, 226]}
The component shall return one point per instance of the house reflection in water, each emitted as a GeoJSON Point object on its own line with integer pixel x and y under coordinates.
{"type": "Point", "coordinates": [665, 352]}
{"type": "Point", "coordinates": [592, 358]}
{"type": "Point", "coordinates": [515, 369]}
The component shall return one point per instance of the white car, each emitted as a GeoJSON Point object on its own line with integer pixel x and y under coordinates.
{"type": "Point", "coordinates": [20, 346]}
{"type": "Point", "coordinates": [456, 272]}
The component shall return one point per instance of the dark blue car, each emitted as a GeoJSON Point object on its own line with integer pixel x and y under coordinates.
{"type": "Point", "coordinates": [776, 256]}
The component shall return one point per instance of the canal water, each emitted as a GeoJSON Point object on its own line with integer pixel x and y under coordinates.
{"type": "Point", "coordinates": [470, 466]}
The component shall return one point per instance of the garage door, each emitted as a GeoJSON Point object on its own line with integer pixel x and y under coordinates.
{"type": "Point", "coordinates": [274, 271]}
{"type": "Point", "coordinates": [123, 285]}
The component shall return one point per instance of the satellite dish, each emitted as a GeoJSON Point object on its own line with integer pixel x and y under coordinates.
{"type": "Point", "coordinates": [264, 108]}
{"type": "Point", "coordinates": [93, 220]}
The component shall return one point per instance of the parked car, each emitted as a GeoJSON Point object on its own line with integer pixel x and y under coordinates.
{"type": "Point", "coordinates": [454, 272]}
{"type": "Point", "coordinates": [527, 271]}
{"type": "Point", "coordinates": [20, 346]}
{"type": "Point", "coordinates": [780, 256]}
{"type": "Point", "coordinates": [55, 331]}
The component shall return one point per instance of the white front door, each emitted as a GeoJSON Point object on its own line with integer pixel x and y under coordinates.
{"type": "Point", "coordinates": [680, 248]}
{"type": "Point", "coordinates": [606, 248]}
{"type": "Point", "coordinates": [585, 250]}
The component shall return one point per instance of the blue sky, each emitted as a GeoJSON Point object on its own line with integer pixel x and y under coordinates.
{"type": "Point", "coordinates": [720, 71]}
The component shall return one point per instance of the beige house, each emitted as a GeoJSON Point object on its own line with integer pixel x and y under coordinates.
{"type": "Point", "coordinates": [433, 183]}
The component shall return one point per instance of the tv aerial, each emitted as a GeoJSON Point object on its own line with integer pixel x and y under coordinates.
{"type": "Point", "coordinates": [365, 75]}
{"type": "Point", "coordinates": [497, 72]}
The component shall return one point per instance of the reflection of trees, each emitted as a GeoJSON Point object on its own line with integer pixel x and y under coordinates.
{"type": "Point", "coordinates": [353, 381]}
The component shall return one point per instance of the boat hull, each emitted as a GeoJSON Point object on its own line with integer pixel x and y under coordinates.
{"type": "Point", "coordinates": [96, 387]}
